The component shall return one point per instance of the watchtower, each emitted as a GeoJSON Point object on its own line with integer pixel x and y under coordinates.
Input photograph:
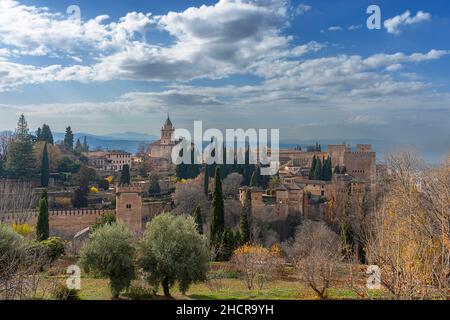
{"type": "Point", "coordinates": [129, 206]}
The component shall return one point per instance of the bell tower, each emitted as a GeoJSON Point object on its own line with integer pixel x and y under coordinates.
{"type": "Point", "coordinates": [167, 132]}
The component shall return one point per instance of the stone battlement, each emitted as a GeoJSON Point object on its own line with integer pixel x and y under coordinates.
{"type": "Point", "coordinates": [131, 188]}
{"type": "Point", "coordinates": [32, 214]}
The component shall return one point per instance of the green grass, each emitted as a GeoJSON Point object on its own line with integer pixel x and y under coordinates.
{"type": "Point", "coordinates": [232, 289]}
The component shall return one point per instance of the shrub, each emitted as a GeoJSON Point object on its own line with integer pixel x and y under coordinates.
{"type": "Point", "coordinates": [61, 292]}
{"type": "Point", "coordinates": [172, 250]}
{"type": "Point", "coordinates": [54, 246]}
{"type": "Point", "coordinates": [257, 264]}
{"type": "Point", "coordinates": [139, 293]}
{"type": "Point", "coordinates": [108, 218]}
{"type": "Point", "coordinates": [23, 229]}
{"type": "Point", "coordinates": [109, 252]}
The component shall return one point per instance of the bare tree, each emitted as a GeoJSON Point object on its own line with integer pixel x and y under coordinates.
{"type": "Point", "coordinates": [316, 254]}
{"type": "Point", "coordinates": [17, 198]}
{"type": "Point", "coordinates": [5, 141]}
{"type": "Point", "coordinates": [231, 184]}
{"type": "Point", "coordinates": [408, 236]}
{"type": "Point", "coordinates": [187, 196]}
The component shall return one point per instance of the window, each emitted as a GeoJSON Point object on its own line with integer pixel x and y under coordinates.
{"type": "Point", "coordinates": [128, 205]}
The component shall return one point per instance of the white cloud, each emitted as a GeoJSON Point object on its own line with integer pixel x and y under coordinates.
{"type": "Point", "coordinates": [334, 28]}
{"type": "Point", "coordinates": [302, 8]}
{"type": "Point", "coordinates": [354, 27]}
{"type": "Point", "coordinates": [393, 25]}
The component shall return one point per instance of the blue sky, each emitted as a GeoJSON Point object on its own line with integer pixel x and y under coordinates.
{"type": "Point", "coordinates": [310, 68]}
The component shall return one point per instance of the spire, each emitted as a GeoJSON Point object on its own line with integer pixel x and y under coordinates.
{"type": "Point", "coordinates": [168, 122]}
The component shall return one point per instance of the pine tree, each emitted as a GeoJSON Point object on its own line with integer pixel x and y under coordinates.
{"type": "Point", "coordinates": [218, 211]}
{"type": "Point", "coordinates": [125, 174]}
{"type": "Point", "coordinates": [68, 138]}
{"type": "Point", "coordinates": [20, 163]}
{"type": "Point", "coordinates": [42, 227]}
{"type": "Point", "coordinates": [244, 225]}
{"type": "Point", "coordinates": [198, 219]}
{"type": "Point", "coordinates": [44, 167]}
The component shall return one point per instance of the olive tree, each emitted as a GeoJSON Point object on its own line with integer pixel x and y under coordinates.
{"type": "Point", "coordinates": [110, 253]}
{"type": "Point", "coordinates": [172, 250]}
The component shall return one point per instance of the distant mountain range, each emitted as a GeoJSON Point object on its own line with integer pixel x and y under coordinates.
{"type": "Point", "coordinates": [130, 141]}
{"type": "Point", "coordinates": [127, 141]}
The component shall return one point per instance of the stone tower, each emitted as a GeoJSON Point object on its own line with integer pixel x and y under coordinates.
{"type": "Point", "coordinates": [167, 132]}
{"type": "Point", "coordinates": [129, 207]}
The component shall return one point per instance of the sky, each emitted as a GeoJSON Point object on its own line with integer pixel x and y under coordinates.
{"type": "Point", "coordinates": [312, 69]}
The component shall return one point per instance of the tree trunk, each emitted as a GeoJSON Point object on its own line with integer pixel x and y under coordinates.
{"type": "Point", "coordinates": [165, 285]}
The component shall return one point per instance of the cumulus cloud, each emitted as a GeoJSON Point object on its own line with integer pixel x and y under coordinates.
{"type": "Point", "coordinates": [394, 24]}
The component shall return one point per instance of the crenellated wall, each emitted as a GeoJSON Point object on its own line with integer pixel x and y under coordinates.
{"type": "Point", "coordinates": [63, 223]}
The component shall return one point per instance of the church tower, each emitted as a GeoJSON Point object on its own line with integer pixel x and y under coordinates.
{"type": "Point", "coordinates": [167, 132]}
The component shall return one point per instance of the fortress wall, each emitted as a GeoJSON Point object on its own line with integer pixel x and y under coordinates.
{"type": "Point", "coordinates": [63, 223]}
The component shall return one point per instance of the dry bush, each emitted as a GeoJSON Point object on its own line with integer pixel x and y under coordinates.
{"type": "Point", "coordinates": [316, 255]}
{"type": "Point", "coordinates": [257, 264]}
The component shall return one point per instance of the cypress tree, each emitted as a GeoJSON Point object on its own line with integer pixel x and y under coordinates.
{"type": "Point", "coordinates": [317, 175]}
{"type": "Point", "coordinates": [244, 225]}
{"type": "Point", "coordinates": [46, 134]}
{"type": "Point", "coordinates": [78, 147]}
{"type": "Point", "coordinates": [85, 145]}
{"type": "Point", "coordinates": [44, 168]}
{"type": "Point", "coordinates": [218, 211]}
{"type": "Point", "coordinates": [313, 168]}
{"type": "Point", "coordinates": [42, 227]}
{"type": "Point", "coordinates": [327, 170]}
{"type": "Point", "coordinates": [254, 178]}
{"type": "Point", "coordinates": [68, 138]}
{"type": "Point", "coordinates": [198, 219]}
{"type": "Point", "coordinates": [206, 180]}
{"type": "Point", "coordinates": [125, 174]}
{"type": "Point", "coordinates": [154, 188]}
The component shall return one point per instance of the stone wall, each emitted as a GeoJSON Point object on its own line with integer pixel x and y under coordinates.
{"type": "Point", "coordinates": [63, 223]}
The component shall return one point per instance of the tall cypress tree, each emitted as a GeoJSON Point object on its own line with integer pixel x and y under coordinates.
{"type": "Point", "coordinates": [125, 174]}
{"type": "Point", "coordinates": [85, 145]}
{"type": "Point", "coordinates": [206, 180]}
{"type": "Point", "coordinates": [198, 219]}
{"type": "Point", "coordinates": [327, 170]}
{"type": "Point", "coordinates": [44, 167]}
{"type": "Point", "coordinates": [254, 178]}
{"type": "Point", "coordinates": [68, 138]}
{"type": "Point", "coordinates": [313, 168]}
{"type": "Point", "coordinates": [218, 211]}
{"type": "Point", "coordinates": [244, 225]}
{"type": "Point", "coordinates": [317, 175]}
{"type": "Point", "coordinates": [42, 227]}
